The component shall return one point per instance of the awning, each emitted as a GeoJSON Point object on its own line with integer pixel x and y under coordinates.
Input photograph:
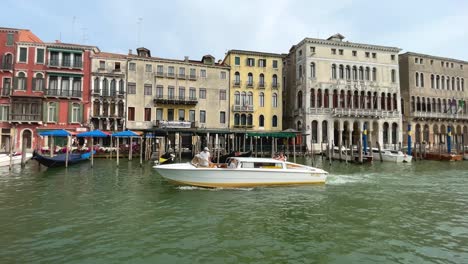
{"type": "Point", "coordinates": [62, 74]}
{"type": "Point", "coordinates": [55, 133]}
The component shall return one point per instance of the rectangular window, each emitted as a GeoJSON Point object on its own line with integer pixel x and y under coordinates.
{"type": "Point", "coordinates": [132, 66]}
{"type": "Point", "coordinates": [170, 114]}
{"type": "Point", "coordinates": [3, 112]}
{"type": "Point", "coordinates": [250, 62]}
{"type": "Point", "coordinates": [75, 117]}
{"type": "Point", "coordinates": [159, 91]}
{"type": "Point", "coordinates": [148, 89]}
{"type": "Point", "coordinates": [149, 68]}
{"type": "Point", "coordinates": [160, 69]}
{"type": "Point", "coordinates": [171, 92]}
{"type": "Point", "coordinates": [275, 64]}
{"type": "Point", "coordinates": [147, 114]}
{"type": "Point", "coordinates": [181, 72]}
{"type": "Point", "coordinates": [193, 73]}
{"type": "Point", "coordinates": [131, 114]}
{"type": "Point", "coordinates": [193, 93]}
{"type": "Point", "coordinates": [170, 71]}
{"type": "Point", "coordinates": [159, 114]}
{"type": "Point", "coordinates": [52, 112]}
{"type": "Point", "coordinates": [192, 115]}
{"type": "Point", "coordinates": [374, 55]}
{"type": "Point", "coordinates": [102, 65]}
{"type": "Point", "coordinates": [367, 54]}
{"type": "Point", "coordinates": [223, 75]}
{"type": "Point", "coordinates": [202, 116]}
{"type": "Point", "coordinates": [181, 93]}
{"type": "Point", "coordinates": [66, 59]}
{"type": "Point", "coordinates": [203, 73]}
{"type": "Point", "coordinates": [262, 63]}
{"type": "Point", "coordinates": [392, 57]}
{"type": "Point", "coordinates": [181, 114]}
{"type": "Point", "coordinates": [23, 55]}
{"type": "Point", "coordinates": [333, 51]}
{"type": "Point", "coordinates": [131, 88]}
{"type": "Point", "coordinates": [237, 61]}
{"type": "Point", "coordinates": [354, 53]}
{"type": "Point", "coordinates": [222, 117]}
{"type": "Point", "coordinates": [10, 39]}
{"type": "Point", "coordinates": [202, 94]}
{"type": "Point", "coordinates": [340, 51]}
{"type": "Point", "coordinates": [312, 49]}
{"type": "Point", "coordinates": [117, 66]}
{"type": "Point", "coordinates": [40, 56]}
{"type": "Point", "coordinates": [222, 94]}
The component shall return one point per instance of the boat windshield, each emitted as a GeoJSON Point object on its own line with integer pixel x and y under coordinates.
{"type": "Point", "coordinates": [261, 165]}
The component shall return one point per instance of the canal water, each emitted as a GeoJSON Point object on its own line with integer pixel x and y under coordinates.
{"type": "Point", "coordinates": [379, 213]}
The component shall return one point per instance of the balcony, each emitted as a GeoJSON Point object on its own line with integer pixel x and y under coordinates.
{"type": "Point", "coordinates": [6, 91]}
{"type": "Point", "coordinates": [275, 86]}
{"type": "Point", "coordinates": [181, 76]}
{"type": "Point", "coordinates": [38, 85]}
{"type": "Point", "coordinates": [96, 91]}
{"type": "Point", "coordinates": [250, 84]}
{"type": "Point", "coordinates": [25, 118]}
{"type": "Point", "coordinates": [261, 85]}
{"type": "Point", "coordinates": [66, 63]}
{"type": "Point", "coordinates": [242, 108]}
{"type": "Point", "coordinates": [436, 116]}
{"type": "Point", "coordinates": [64, 93]}
{"type": "Point", "coordinates": [173, 100]}
{"type": "Point", "coordinates": [236, 83]}
{"type": "Point", "coordinates": [244, 126]}
{"type": "Point", "coordinates": [173, 124]}
{"type": "Point", "coordinates": [159, 74]}
{"type": "Point", "coordinates": [170, 75]}
{"type": "Point", "coordinates": [6, 66]}
{"type": "Point", "coordinates": [193, 77]}
{"type": "Point", "coordinates": [372, 113]}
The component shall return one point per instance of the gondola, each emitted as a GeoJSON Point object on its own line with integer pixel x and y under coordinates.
{"type": "Point", "coordinates": [59, 160]}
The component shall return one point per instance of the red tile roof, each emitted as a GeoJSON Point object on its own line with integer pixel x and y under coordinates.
{"type": "Point", "coordinates": [26, 35]}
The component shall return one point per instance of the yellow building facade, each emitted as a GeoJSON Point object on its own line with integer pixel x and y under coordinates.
{"type": "Point", "coordinates": [255, 90]}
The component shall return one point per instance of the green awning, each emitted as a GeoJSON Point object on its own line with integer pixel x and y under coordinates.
{"type": "Point", "coordinates": [62, 74]}
{"type": "Point", "coordinates": [272, 134]}
{"type": "Point", "coordinates": [65, 50]}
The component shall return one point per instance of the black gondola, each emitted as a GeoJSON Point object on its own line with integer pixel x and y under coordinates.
{"type": "Point", "coordinates": [59, 160]}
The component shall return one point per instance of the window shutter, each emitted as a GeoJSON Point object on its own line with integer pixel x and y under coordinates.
{"type": "Point", "coordinates": [44, 111]}
{"type": "Point", "coordinates": [70, 109]}
{"type": "Point", "coordinates": [57, 111]}
{"type": "Point", "coordinates": [80, 114]}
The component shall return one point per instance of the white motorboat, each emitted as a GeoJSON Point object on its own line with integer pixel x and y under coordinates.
{"type": "Point", "coordinates": [5, 159]}
{"type": "Point", "coordinates": [391, 155]}
{"type": "Point", "coordinates": [345, 154]}
{"type": "Point", "coordinates": [243, 172]}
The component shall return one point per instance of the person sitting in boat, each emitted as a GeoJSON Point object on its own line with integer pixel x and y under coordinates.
{"type": "Point", "coordinates": [233, 164]}
{"type": "Point", "coordinates": [280, 156]}
{"type": "Point", "coordinates": [205, 158]}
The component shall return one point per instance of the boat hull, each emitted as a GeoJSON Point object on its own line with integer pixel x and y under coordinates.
{"type": "Point", "coordinates": [59, 160]}
{"type": "Point", "coordinates": [186, 174]}
{"type": "Point", "coordinates": [5, 159]}
{"type": "Point", "coordinates": [392, 158]}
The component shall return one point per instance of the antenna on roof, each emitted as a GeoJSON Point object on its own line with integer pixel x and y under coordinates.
{"type": "Point", "coordinates": [73, 29]}
{"type": "Point", "coordinates": [139, 22]}
{"type": "Point", "coordinates": [85, 36]}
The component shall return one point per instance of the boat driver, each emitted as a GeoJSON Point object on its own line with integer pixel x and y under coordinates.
{"type": "Point", "coordinates": [205, 158]}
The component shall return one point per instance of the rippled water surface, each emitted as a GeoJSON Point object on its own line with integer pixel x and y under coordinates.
{"type": "Point", "coordinates": [380, 213]}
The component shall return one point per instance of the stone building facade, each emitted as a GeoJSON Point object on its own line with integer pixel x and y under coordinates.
{"type": "Point", "coordinates": [335, 89]}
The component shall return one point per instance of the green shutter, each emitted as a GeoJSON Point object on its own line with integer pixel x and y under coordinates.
{"type": "Point", "coordinates": [40, 56]}
{"type": "Point", "coordinates": [80, 114]}
{"type": "Point", "coordinates": [237, 61]}
{"type": "Point", "coordinates": [70, 110]}
{"type": "Point", "coordinates": [44, 111]}
{"type": "Point", "coordinates": [10, 39]}
{"type": "Point", "coordinates": [23, 55]}
{"type": "Point", "coordinates": [57, 111]}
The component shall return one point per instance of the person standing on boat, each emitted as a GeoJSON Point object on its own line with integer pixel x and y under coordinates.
{"type": "Point", "coordinates": [205, 157]}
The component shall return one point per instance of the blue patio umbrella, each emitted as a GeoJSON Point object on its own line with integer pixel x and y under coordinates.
{"type": "Point", "coordinates": [126, 133]}
{"type": "Point", "coordinates": [55, 133]}
{"type": "Point", "coordinates": [129, 134]}
{"type": "Point", "coordinates": [94, 133]}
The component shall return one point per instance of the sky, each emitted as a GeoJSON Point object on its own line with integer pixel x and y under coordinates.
{"type": "Point", "coordinates": [174, 29]}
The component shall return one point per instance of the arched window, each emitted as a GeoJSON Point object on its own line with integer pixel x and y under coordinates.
{"type": "Point", "coordinates": [274, 122]}
{"type": "Point", "coordinates": [448, 83]}
{"type": "Point", "coordinates": [348, 72]}
{"type": "Point", "coordinates": [374, 74]}
{"type": "Point", "coordinates": [97, 85]}
{"type": "Point", "coordinates": [437, 82]}
{"type": "Point", "coordinates": [355, 74]}
{"type": "Point", "coordinates": [453, 83]}
{"type": "Point", "coordinates": [300, 71]}
{"type": "Point", "coordinates": [121, 109]}
{"type": "Point", "coordinates": [312, 97]}
{"type": "Point", "coordinates": [237, 78]}
{"type": "Point", "coordinates": [393, 76]}
{"type": "Point", "coordinates": [243, 98]}
{"type": "Point", "coordinates": [262, 80]}
{"type": "Point", "coordinates": [250, 79]}
{"type": "Point", "coordinates": [236, 119]}
{"type": "Point", "coordinates": [249, 120]}
{"type": "Point", "coordinates": [299, 99]}
{"type": "Point", "coordinates": [275, 80]}
{"type": "Point", "coordinates": [442, 82]}
{"type": "Point", "coordinates": [462, 84]}
{"type": "Point", "coordinates": [21, 81]}
{"type": "Point", "coordinates": [243, 120]}
{"type": "Point", "coordinates": [121, 87]}
{"type": "Point", "coordinates": [432, 81]}
{"type": "Point", "coordinates": [261, 121]}
{"type": "Point", "coordinates": [27, 137]}
{"type": "Point", "coordinates": [105, 108]}
{"type": "Point", "coordinates": [367, 74]}
{"type": "Point", "coordinates": [38, 82]}
{"type": "Point", "coordinates": [417, 79]}
{"type": "Point", "coordinates": [250, 98]}
{"type": "Point", "coordinates": [105, 87]}
{"type": "Point", "coordinates": [275, 100]}
{"type": "Point", "coordinates": [341, 73]}
{"type": "Point", "coordinates": [237, 98]}
{"type": "Point", "coordinates": [361, 73]}
{"type": "Point", "coordinates": [262, 99]}
{"type": "Point", "coordinates": [96, 108]}
{"type": "Point", "coordinates": [312, 70]}
{"type": "Point", "coordinates": [333, 71]}
{"type": "Point", "coordinates": [113, 88]}
{"type": "Point", "coordinates": [458, 84]}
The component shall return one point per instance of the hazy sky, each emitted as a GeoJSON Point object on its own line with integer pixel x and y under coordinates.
{"type": "Point", "coordinates": [173, 29]}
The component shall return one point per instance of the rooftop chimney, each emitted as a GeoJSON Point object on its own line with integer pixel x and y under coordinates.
{"type": "Point", "coordinates": [186, 58]}
{"type": "Point", "coordinates": [129, 51]}
{"type": "Point", "coordinates": [57, 41]}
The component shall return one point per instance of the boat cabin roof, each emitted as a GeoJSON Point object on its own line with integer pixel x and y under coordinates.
{"type": "Point", "coordinates": [250, 159]}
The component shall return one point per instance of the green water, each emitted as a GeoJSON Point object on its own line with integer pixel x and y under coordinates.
{"type": "Point", "coordinates": [381, 213]}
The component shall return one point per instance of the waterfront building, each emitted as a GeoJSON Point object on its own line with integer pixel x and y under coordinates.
{"type": "Point", "coordinates": [169, 96]}
{"type": "Point", "coordinates": [255, 90]}
{"type": "Point", "coordinates": [108, 75]}
{"type": "Point", "coordinates": [434, 97]}
{"type": "Point", "coordinates": [334, 88]}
